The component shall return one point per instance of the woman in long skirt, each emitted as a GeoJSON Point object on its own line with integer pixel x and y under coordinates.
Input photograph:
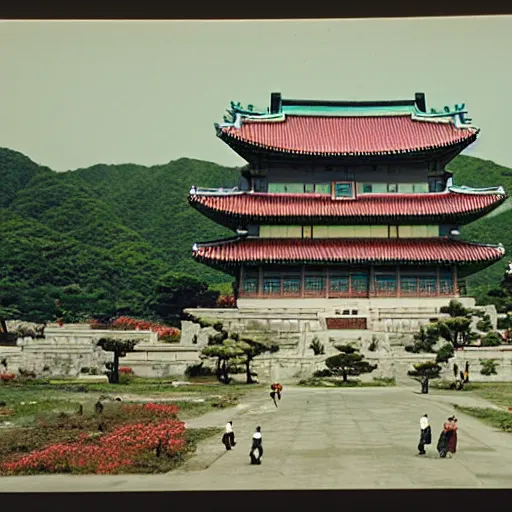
{"type": "Point", "coordinates": [444, 438]}
{"type": "Point", "coordinates": [257, 447]}
{"type": "Point", "coordinates": [452, 442]}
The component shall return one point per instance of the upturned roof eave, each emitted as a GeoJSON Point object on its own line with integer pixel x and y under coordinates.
{"type": "Point", "coordinates": [494, 256]}
{"type": "Point", "coordinates": [229, 138]}
{"type": "Point", "coordinates": [230, 218]}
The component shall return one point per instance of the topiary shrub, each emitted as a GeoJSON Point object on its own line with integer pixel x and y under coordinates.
{"type": "Point", "coordinates": [484, 324]}
{"type": "Point", "coordinates": [488, 367]}
{"type": "Point", "coordinates": [323, 373]}
{"type": "Point", "coordinates": [198, 370]}
{"type": "Point", "coordinates": [491, 339]}
{"type": "Point", "coordinates": [317, 347]}
{"type": "Point", "coordinates": [445, 353]}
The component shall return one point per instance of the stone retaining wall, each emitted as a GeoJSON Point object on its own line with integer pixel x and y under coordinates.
{"type": "Point", "coordinates": [66, 351]}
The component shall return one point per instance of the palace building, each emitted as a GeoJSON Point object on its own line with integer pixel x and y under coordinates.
{"type": "Point", "coordinates": [345, 200]}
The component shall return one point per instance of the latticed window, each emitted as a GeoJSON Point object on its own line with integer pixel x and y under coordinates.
{"type": "Point", "coordinates": [408, 285]}
{"type": "Point", "coordinates": [271, 286]}
{"type": "Point", "coordinates": [427, 285]}
{"type": "Point", "coordinates": [291, 282]}
{"type": "Point", "coordinates": [385, 284]}
{"type": "Point", "coordinates": [291, 285]}
{"type": "Point", "coordinates": [445, 283]}
{"type": "Point", "coordinates": [343, 190]}
{"type": "Point", "coordinates": [271, 283]}
{"type": "Point", "coordinates": [314, 282]}
{"type": "Point", "coordinates": [359, 284]}
{"type": "Point", "coordinates": [250, 282]}
{"type": "Point", "coordinates": [339, 283]}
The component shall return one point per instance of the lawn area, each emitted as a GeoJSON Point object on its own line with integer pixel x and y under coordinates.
{"type": "Point", "coordinates": [497, 419]}
{"type": "Point", "coordinates": [30, 399]}
{"type": "Point", "coordinates": [498, 393]}
{"type": "Point", "coordinates": [59, 420]}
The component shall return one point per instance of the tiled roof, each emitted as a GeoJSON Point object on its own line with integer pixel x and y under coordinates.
{"type": "Point", "coordinates": [260, 207]}
{"type": "Point", "coordinates": [344, 136]}
{"type": "Point", "coordinates": [426, 250]}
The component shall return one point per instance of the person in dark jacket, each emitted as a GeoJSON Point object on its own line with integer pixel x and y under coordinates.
{"type": "Point", "coordinates": [452, 441]}
{"type": "Point", "coordinates": [444, 438]}
{"type": "Point", "coordinates": [257, 447]}
{"type": "Point", "coordinates": [425, 434]}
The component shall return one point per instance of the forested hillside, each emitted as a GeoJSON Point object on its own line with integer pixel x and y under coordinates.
{"type": "Point", "coordinates": [493, 228]}
{"type": "Point", "coordinates": [102, 239]}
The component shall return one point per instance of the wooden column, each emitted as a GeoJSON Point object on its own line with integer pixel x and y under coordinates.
{"type": "Point", "coordinates": [371, 284]}
{"type": "Point", "coordinates": [327, 280]}
{"type": "Point", "coordinates": [438, 284]}
{"type": "Point", "coordinates": [398, 280]}
{"type": "Point", "coordinates": [455, 281]}
{"type": "Point", "coordinates": [260, 281]}
{"type": "Point", "coordinates": [302, 281]}
{"type": "Point", "coordinates": [241, 281]}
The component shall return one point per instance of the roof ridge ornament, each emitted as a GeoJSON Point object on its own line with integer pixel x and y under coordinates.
{"type": "Point", "coordinates": [237, 114]}
{"type": "Point", "coordinates": [458, 115]}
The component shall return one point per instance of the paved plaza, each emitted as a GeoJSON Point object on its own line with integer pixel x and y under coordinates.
{"type": "Point", "coordinates": [323, 438]}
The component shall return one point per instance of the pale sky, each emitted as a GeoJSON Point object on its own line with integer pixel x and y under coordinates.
{"type": "Point", "coordinates": [74, 94]}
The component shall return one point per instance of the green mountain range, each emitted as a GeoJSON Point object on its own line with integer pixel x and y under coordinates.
{"type": "Point", "coordinates": [107, 233]}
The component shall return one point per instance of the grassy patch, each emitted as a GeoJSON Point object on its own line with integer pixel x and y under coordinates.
{"type": "Point", "coordinates": [25, 403]}
{"type": "Point", "coordinates": [497, 419]}
{"type": "Point", "coordinates": [193, 409]}
{"type": "Point", "coordinates": [498, 393]}
{"type": "Point", "coordinates": [330, 382]}
{"type": "Point", "coordinates": [136, 386]}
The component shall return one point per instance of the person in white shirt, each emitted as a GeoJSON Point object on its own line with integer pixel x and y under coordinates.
{"type": "Point", "coordinates": [257, 447]}
{"type": "Point", "coordinates": [229, 436]}
{"type": "Point", "coordinates": [425, 434]}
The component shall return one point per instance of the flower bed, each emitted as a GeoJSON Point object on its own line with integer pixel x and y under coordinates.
{"type": "Point", "coordinates": [126, 323]}
{"type": "Point", "coordinates": [139, 435]}
{"type": "Point", "coordinates": [226, 301]}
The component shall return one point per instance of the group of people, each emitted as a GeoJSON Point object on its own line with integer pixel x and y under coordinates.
{"type": "Point", "coordinates": [256, 452]}
{"type": "Point", "coordinates": [447, 443]}
{"type": "Point", "coordinates": [228, 439]}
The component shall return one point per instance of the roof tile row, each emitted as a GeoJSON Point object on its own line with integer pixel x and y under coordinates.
{"type": "Point", "coordinates": [349, 135]}
{"type": "Point", "coordinates": [434, 250]}
{"type": "Point", "coordinates": [259, 205]}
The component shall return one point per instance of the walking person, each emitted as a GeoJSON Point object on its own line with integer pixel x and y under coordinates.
{"type": "Point", "coordinates": [273, 394]}
{"type": "Point", "coordinates": [444, 438]}
{"type": "Point", "coordinates": [425, 434]}
{"type": "Point", "coordinates": [256, 447]}
{"type": "Point", "coordinates": [276, 390]}
{"type": "Point", "coordinates": [228, 439]}
{"type": "Point", "coordinates": [452, 441]}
